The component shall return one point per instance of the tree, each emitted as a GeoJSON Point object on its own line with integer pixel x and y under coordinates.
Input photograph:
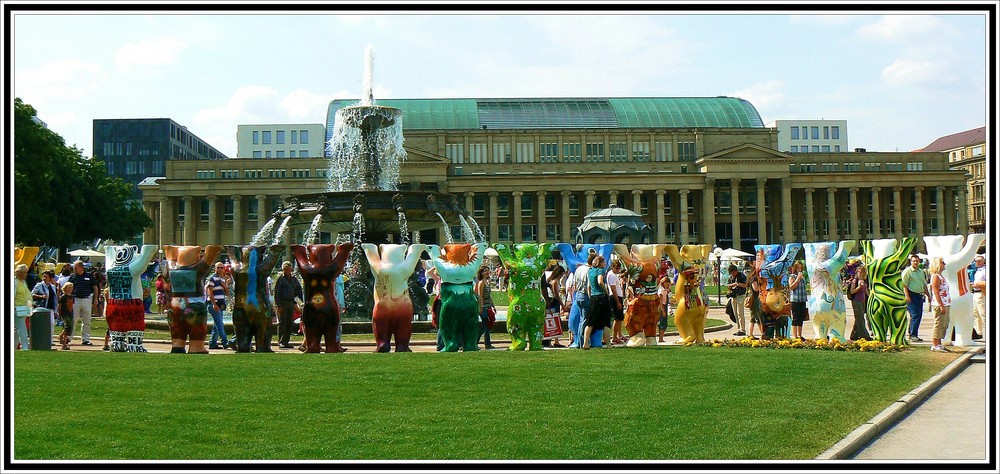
{"type": "Point", "coordinates": [63, 197]}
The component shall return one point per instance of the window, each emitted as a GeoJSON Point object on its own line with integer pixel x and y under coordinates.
{"type": "Point", "coordinates": [815, 132]}
{"type": "Point", "coordinates": [528, 233]}
{"type": "Point", "coordinates": [252, 210]}
{"type": "Point", "coordinates": [479, 206]}
{"type": "Point", "coordinates": [667, 204]}
{"type": "Point", "coordinates": [204, 174]}
{"type": "Point", "coordinates": [815, 148]}
{"type": "Point", "coordinates": [526, 203]}
{"type": "Point", "coordinates": [804, 149]}
{"type": "Point", "coordinates": [267, 154]}
{"type": "Point", "coordinates": [723, 202]}
{"type": "Point", "coordinates": [748, 201]}
{"type": "Point", "coordinates": [826, 133]}
{"type": "Point", "coordinates": [978, 151]}
{"type": "Point", "coordinates": [230, 174]}
{"type": "Point", "coordinates": [322, 173]}
{"type": "Point", "coordinates": [552, 232]}
{"type": "Point", "coordinates": [669, 228]}
{"type": "Point", "coordinates": [253, 173]}
{"type": "Point", "coordinates": [550, 205]}
{"type": "Point", "coordinates": [111, 167]}
{"type": "Point", "coordinates": [663, 151]}
{"type": "Point", "coordinates": [274, 173]}
{"type": "Point", "coordinates": [525, 153]}
{"type": "Point", "coordinates": [455, 152]}
{"type": "Point", "coordinates": [291, 153]}
{"type": "Point", "coordinates": [836, 148]}
{"type": "Point", "coordinates": [693, 231]}
{"type": "Point", "coordinates": [617, 151]}
{"type": "Point", "coordinates": [295, 137]}
{"type": "Point", "coordinates": [571, 152]}
{"type": "Point", "coordinates": [852, 167]}
{"type": "Point", "coordinates": [503, 205]}
{"type": "Point", "coordinates": [303, 153]}
{"type": "Point", "coordinates": [266, 137]}
{"type": "Point", "coordinates": [914, 167]}
{"type": "Point", "coordinates": [279, 137]}
{"type": "Point", "coordinates": [795, 148]}
{"type": "Point", "coordinates": [477, 153]}
{"type": "Point", "coordinates": [640, 151]}
{"type": "Point", "coordinates": [258, 154]}
{"type": "Point", "coordinates": [300, 173]}
{"type": "Point", "coordinates": [501, 152]}
{"type": "Point", "coordinates": [893, 167]}
{"type": "Point", "coordinates": [304, 137]}
{"type": "Point", "coordinates": [256, 137]}
{"type": "Point", "coordinates": [835, 132]}
{"type": "Point", "coordinates": [548, 152]}
{"type": "Point", "coordinates": [503, 232]}
{"type": "Point", "coordinates": [574, 205]}
{"type": "Point", "coordinates": [181, 210]}
{"type": "Point", "coordinates": [595, 152]}
{"type": "Point", "coordinates": [829, 167]}
{"type": "Point", "coordinates": [825, 148]}
{"type": "Point", "coordinates": [808, 167]}
{"type": "Point", "coordinates": [279, 154]}
{"type": "Point", "coordinates": [795, 133]}
{"type": "Point", "coordinates": [227, 210]}
{"type": "Point", "coordinates": [870, 166]}
{"type": "Point", "coordinates": [644, 204]}
{"type": "Point", "coordinates": [685, 151]}
{"type": "Point", "coordinates": [204, 210]}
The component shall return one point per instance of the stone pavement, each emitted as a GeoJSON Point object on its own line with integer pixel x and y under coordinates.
{"type": "Point", "coordinates": [943, 419]}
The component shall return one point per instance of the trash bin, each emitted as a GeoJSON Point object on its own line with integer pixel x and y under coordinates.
{"type": "Point", "coordinates": [41, 330]}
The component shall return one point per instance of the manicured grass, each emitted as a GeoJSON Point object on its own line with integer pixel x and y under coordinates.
{"type": "Point", "coordinates": [664, 402]}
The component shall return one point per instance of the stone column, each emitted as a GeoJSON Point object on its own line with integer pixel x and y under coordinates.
{"type": "Point", "coordinates": [855, 221]}
{"type": "Point", "coordinates": [541, 216]}
{"type": "Point", "coordinates": [684, 215]}
{"type": "Point", "coordinates": [810, 222]}
{"type": "Point", "coordinates": [876, 213]}
{"type": "Point", "coordinates": [787, 226]}
{"type": "Point", "coordinates": [708, 211]}
{"type": "Point", "coordinates": [494, 233]}
{"type": "Point", "coordinates": [761, 211]}
{"type": "Point", "coordinates": [637, 201]}
{"type": "Point", "coordinates": [167, 219]}
{"type": "Point", "coordinates": [918, 196]}
{"type": "Point", "coordinates": [237, 219]}
{"type": "Point", "coordinates": [661, 223]}
{"type": "Point", "coordinates": [470, 201]}
{"type": "Point", "coordinates": [963, 210]}
{"type": "Point", "coordinates": [734, 191]}
{"type": "Point", "coordinates": [942, 229]}
{"type": "Point", "coordinates": [831, 214]}
{"type": "Point", "coordinates": [613, 197]}
{"type": "Point", "coordinates": [190, 218]}
{"type": "Point", "coordinates": [148, 232]}
{"type": "Point", "coordinates": [262, 214]}
{"type": "Point", "coordinates": [897, 210]}
{"type": "Point", "coordinates": [565, 231]}
{"type": "Point", "coordinates": [213, 220]}
{"type": "Point", "coordinates": [518, 236]}
{"type": "Point", "coordinates": [588, 202]}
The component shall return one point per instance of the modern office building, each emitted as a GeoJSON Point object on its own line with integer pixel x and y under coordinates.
{"type": "Point", "coordinates": [134, 149]}
{"type": "Point", "coordinates": [811, 136]}
{"type": "Point", "coordinates": [696, 169]}
{"type": "Point", "coordinates": [967, 152]}
{"type": "Point", "coordinates": [281, 141]}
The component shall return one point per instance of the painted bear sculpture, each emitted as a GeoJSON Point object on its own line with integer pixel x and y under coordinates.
{"type": "Point", "coordinates": [644, 307]}
{"type": "Point", "coordinates": [691, 306]}
{"type": "Point", "coordinates": [885, 261]}
{"type": "Point", "coordinates": [320, 265]}
{"type": "Point", "coordinates": [458, 316]}
{"type": "Point", "coordinates": [827, 309]}
{"type": "Point", "coordinates": [253, 314]}
{"type": "Point", "coordinates": [186, 270]}
{"type": "Point", "coordinates": [526, 313]}
{"type": "Point", "coordinates": [957, 259]}
{"type": "Point", "coordinates": [574, 258]}
{"type": "Point", "coordinates": [125, 313]}
{"type": "Point", "coordinates": [770, 270]}
{"type": "Point", "coordinates": [392, 265]}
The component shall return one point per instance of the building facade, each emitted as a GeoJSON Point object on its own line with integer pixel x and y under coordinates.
{"type": "Point", "coordinates": [811, 136]}
{"type": "Point", "coordinates": [281, 141]}
{"type": "Point", "coordinates": [699, 170]}
{"type": "Point", "coordinates": [135, 149]}
{"type": "Point", "coordinates": [967, 152]}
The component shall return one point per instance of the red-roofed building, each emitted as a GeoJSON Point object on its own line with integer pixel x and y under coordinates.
{"type": "Point", "coordinates": [967, 151]}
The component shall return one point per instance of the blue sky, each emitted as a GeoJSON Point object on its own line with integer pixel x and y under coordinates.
{"type": "Point", "coordinates": [900, 80]}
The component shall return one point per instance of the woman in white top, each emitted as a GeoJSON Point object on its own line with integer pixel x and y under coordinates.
{"type": "Point", "coordinates": [942, 303]}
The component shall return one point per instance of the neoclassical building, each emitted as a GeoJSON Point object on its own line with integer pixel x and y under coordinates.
{"type": "Point", "coordinates": [697, 169]}
{"type": "Point", "coordinates": [967, 152]}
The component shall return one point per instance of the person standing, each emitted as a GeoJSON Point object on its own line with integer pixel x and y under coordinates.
{"type": "Point", "coordinates": [979, 296]}
{"type": "Point", "coordinates": [599, 316]}
{"type": "Point", "coordinates": [45, 295]}
{"type": "Point", "coordinates": [798, 298]}
{"type": "Point", "coordinates": [616, 297]}
{"type": "Point", "coordinates": [942, 304]}
{"type": "Point", "coordinates": [162, 294]}
{"type": "Point", "coordinates": [664, 286]}
{"type": "Point", "coordinates": [66, 314]}
{"type": "Point", "coordinates": [486, 305]}
{"type": "Point", "coordinates": [737, 297]}
{"type": "Point", "coordinates": [857, 291]}
{"type": "Point", "coordinates": [551, 293]}
{"type": "Point", "coordinates": [22, 304]}
{"type": "Point", "coordinates": [915, 287]}
{"type": "Point", "coordinates": [217, 287]}
{"type": "Point", "coordinates": [580, 300]}
{"type": "Point", "coordinates": [286, 290]}
{"type": "Point", "coordinates": [85, 288]}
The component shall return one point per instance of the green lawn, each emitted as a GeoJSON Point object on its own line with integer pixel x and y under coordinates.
{"type": "Point", "coordinates": [663, 402]}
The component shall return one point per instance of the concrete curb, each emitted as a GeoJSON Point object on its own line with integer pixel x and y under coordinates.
{"type": "Point", "coordinates": [880, 423]}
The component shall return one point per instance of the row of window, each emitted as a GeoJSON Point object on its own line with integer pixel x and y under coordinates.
{"type": "Point", "coordinates": [281, 154]}
{"type": "Point", "coordinates": [856, 166]}
{"type": "Point", "coordinates": [259, 173]}
{"type": "Point", "coordinates": [263, 137]}
{"type": "Point", "coordinates": [846, 226]}
{"type": "Point", "coordinates": [136, 167]}
{"type": "Point", "coordinates": [829, 132]}
{"type": "Point", "coordinates": [815, 149]}
{"type": "Point", "coordinates": [958, 155]}
{"type": "Point", "coordinates": [570, 152]}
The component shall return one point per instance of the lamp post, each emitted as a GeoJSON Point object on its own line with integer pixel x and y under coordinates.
{"type": "Point", "coordinates": [718, 275]}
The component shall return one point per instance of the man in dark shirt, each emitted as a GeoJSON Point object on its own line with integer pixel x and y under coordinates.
{"type": "Point", "coordinates": [286, 289]}
{"type": "Point", "coordinates": [84, 300]}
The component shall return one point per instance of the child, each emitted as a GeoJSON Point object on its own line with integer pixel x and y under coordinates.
{"type": "Point", "coordinates": [66, 314]}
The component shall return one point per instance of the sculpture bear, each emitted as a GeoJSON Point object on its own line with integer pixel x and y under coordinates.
{"type": "Point", "coordinates": [320, 265]}
{"type": "Point", "coordinates": [526, 312]}
{"type": "Point", "coordinates": [644, 307]}
{"type": "Point", "coordinates": [125, 313]}
{"type": "Point", "coordinates": [252, 311]}
{"type": "Point", "coordinates": [827, 309]}
{"type": "Point", "coordinates": [691, 307]}
{"type": "Point", "coordinates": [886, 300]}
{"type": "Point", "coordinates": [458, 316]}
{"type": "Point", "coordinates": [392, 314]}
{"type": "Point", "coordinates": [956, 261]}
{"type": "Point", "coordinates": [186, 269]}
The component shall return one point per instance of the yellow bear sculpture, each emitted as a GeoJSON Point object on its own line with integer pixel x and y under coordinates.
{"type": "Point", "coordinates": [689, 299]}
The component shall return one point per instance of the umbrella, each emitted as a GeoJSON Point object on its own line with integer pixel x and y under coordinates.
{"type": "Point", "coordinates": [491, 252]}
{"type": "Point", "coordinates": [86, 253]}
{"type": "Point", "coordinates": [731, 254]}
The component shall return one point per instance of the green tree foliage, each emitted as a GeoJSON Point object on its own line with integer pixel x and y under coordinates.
{"type": "Point", "coordinates": [62, 197]}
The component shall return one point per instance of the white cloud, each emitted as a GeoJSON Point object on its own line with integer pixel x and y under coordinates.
{"type": "Point", "coordinates": [908, 71]}
{"type": "Point", "coordinates": [825, 19]}
{"type": "Point", "coordinates": [904, 28]}
{"type": "Point", "coordinates": [147, 53]}
{"type": "Point", "coordinates": [58, 80]}
{"type": "Point", "coordinates": [768, 95]}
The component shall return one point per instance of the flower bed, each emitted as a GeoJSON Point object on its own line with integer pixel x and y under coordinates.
{"type": "Point", "coordinates": [860, 345]}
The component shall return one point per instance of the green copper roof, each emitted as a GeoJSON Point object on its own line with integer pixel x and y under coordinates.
{"type": "Point", "coordinates": [467, 114]}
